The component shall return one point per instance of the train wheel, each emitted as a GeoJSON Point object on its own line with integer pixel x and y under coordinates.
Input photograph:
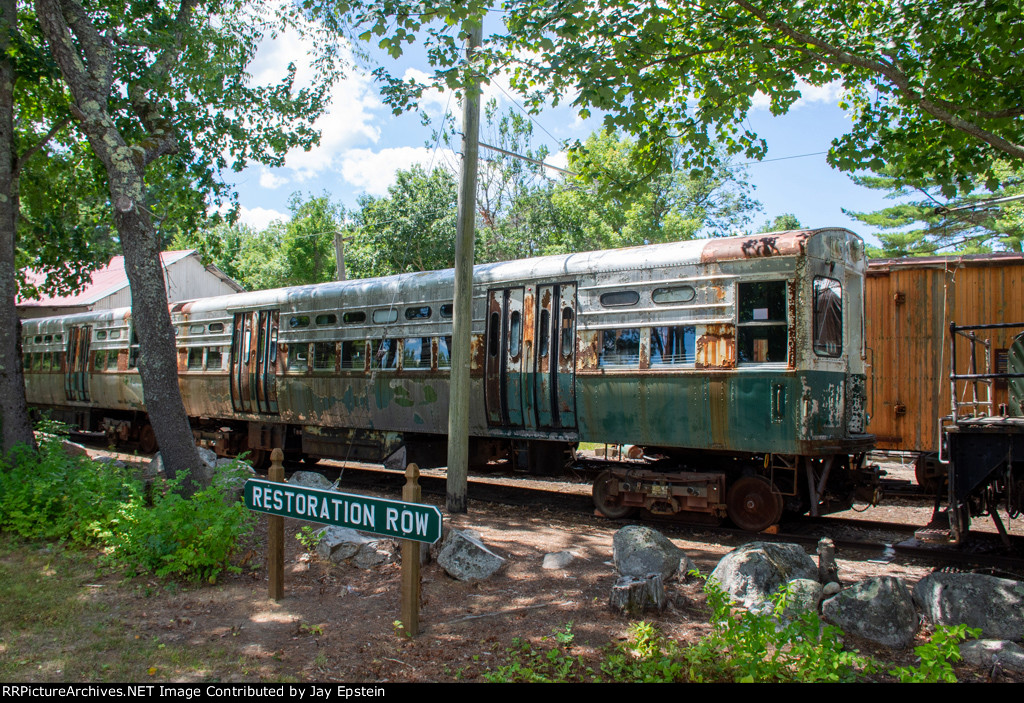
{"type": "Point", "coordinates": [930, 474]}
{"type": "Point", "coordinates": [609, 505]}
{"type": "Point", "coordinates": [752, 503]}
{"type": "Point", "coordinates": [147, 440]}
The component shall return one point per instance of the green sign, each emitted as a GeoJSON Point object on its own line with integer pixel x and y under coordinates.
{"type": "Point", "coordinates": [421, 523]}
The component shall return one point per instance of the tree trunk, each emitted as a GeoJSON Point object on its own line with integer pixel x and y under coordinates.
{"type": "Point", "coordinates": [158, 365]}
{"type": "Point", "coordinates": [13, 408]}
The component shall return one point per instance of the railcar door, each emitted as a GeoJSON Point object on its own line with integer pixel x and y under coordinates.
{"type": "Point", "coordinates": [76, 373]}
{"type": "Point", "coordinates": [555, 364]}
{"type": "Point", "coordinates": [503, 392]}
{"type": "Point", "coordinates": [254, 362]}
{"type": "Point", "coordinates": [531, 351]}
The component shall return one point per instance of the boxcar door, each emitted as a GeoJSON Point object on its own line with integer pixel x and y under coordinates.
{"type": "Point", "coordinates": [76, 374]}
{"type": "Point", "coordinates": [504, 368]}
{"type": "Point", "coordinates": [562, 364]}
{"type": "Point", "coordinates": [254, 362]}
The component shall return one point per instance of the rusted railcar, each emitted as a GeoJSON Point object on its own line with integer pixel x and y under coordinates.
{"type": "Point", "coordinates": [909, 306]}
{"type": "Point", "coordinates": [737, 364]}
{"type": "Point", "coordinates": [984, 439]}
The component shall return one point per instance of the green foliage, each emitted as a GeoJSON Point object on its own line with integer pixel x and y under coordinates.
{"type": "Point", "coordinates": [556, 665]}
{"type": "Point", "coordinates": [936, 655]}
{"type": "Point", "coordinates": [193, 538]}
{"type": "Point", "coordinates": [47, 494]}
{"type": "Point", "coordinates": [933, 86]}
{"type": "Point", "coordinates": [922, 223]}
{"type": "Point", "coordinates": [647, 657]}
{"type": "Point", "coordinates": [308, 538]}
{"type": "Point", "coordinates": [781, 223]}
{"type": "Point", "coordinates": [745, 646]}
{"type": "Point", "coordinates": [410, 229]}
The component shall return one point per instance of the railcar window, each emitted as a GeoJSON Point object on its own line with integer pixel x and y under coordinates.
{"type": "Point", "coordinates": [385, 354]}
{"type": "Point", "coordinates": [102, 334]}
{"type": "Point", "coordinates": [196, 329]}
{"type": "Point", "coordinates": [195, 358]}
{"type": "Point", "coordinates": [327, 319]}
{"type": "Point", "coordinates": [353, 354]}
{"type": "Point", "coordinates": [672, 346]}
{"type": "Point", "coordinates": [99, 361]}
{"type": "Point", "coordinates": [620, 349]}
{"type": "Point", "coordinates": [216, 326]}
{"type": "Point", "coordinates": [351, 318]}
{"type": "Point", "coordinates": [567, 336]}
{"type": "Point", "coordinates": [828, 317]}
{"type": "Point", "coordinates": [325, 354]}
{"type": "Point", "coordinates": [446, 311]}
{"type": "Point", "coordinates": [677, 294]}
{"type": "Point", "coordinates": [620, 298]}
{"type": "Point", "coordinates": [515, 333]}
{"type": "Point", "coordinates": [444, 355]}
{"type": "Point", "coordinates": [115, 334]}
{"type": "Point", "coordinates": [298, 321]}
{"type": "Point", "coordinates": [385, 315]}
{"type": "Point", "coordinates": [48, 338]}
{"type": "Point", "coordinates": [26, 362]}
{"type": "Point", "coordinates": [298, 357]}
{"type": "Point", "coordinates": [418, 313]}
{"type": "Point", "coordinates": [214, 357]}
{"type": "Point", "coordinates": [495, 330]}
{"type": "Point", "coordinates": [44, 364]}
{"type": "Point", "coordinates": [545, 334]}
{"type": "Point", "coordinates": [761, 333]}
{"type": "Point", "coordinates": [416, 353]}
{"type": "Point", "coordinates": [111, 361]}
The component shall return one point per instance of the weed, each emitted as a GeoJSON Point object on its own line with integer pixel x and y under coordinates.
{"type": "Point", "coordinates": [935, 656]}
{"type": "Point", "coordinates": [308, 538]}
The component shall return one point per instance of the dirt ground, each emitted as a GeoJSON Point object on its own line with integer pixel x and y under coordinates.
{"type": "Point", "coordinates": [340, 623]}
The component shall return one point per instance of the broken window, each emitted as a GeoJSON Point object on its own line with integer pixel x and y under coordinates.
{"type": "Point", "coordinates": [828, 317]}
{"type": "Point", "coordinates": [298, 357]}
{"type": "Point", "coordinates": [762, 334]}
{"type": "Point", "coordinates": [671, 346]}
{"type": "Point", "coordinates": [620, 349]}
{"type": "Point", "coordinates": [195, 358]}
{"type": "Point", "coordinates": [385, 354]}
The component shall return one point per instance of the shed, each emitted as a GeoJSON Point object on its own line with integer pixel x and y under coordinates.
{"type": "Point", "coordinates": [186, 276]}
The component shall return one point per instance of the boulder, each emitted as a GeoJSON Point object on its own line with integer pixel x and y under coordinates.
{"type": "Point", "coordinates": [989, 654]}
{"type": "Point", "coordinates": [996, 605]}
{"type": "Point", "coordinates": [340, 544]}
{"type": "Point", "coordinates": [310, 479]}
{"type": "Point", "coordinates": [804, 595]}
{"type": "Point", "coordinates": [639, 551]}
{"type": "Point", "coordinates": [466, 558]}
{"type": "Point", "coordinates": [557, 560]}
{"type": "Point", "coordinates": [879, 609]}
{"type": "Point", "coordinates": [753, 573]}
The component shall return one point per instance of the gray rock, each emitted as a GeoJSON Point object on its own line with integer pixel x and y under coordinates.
{"type": "Point", "coordinates": [557, 560]}
{"type": "Point", "coordinates": [204, 472]}
{"type": "Point", "coordinates": [804, 596]}
{"type": "Point", "coordinates": [310, 479]}
{"type": "Point", "coordinates": [466, 558]}
{"type": "Point", "coordinates": [995, 605]}
{"type": "Point", "coordinates": [753, 573]}
{"type": "Point", "coordinates": [879, 609]}
{"type": "Point", "coordinates": [340, 544]}
{"type": "Point", "coordinates": [831, 588]}
{"type": "Point", "coordinates": [231, 476]}
{"type": "Point", "coordinates": [111, 461]}
{"type": "Point", "coordinates": [639, 551]}
{"type": "Point", "coordinates": [986, 654]}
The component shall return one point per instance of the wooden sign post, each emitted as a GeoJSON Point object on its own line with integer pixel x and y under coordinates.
{"type": "Point", "coordinates": [275, 533]}
{"type": "Point", "coordinates": [411, 560]}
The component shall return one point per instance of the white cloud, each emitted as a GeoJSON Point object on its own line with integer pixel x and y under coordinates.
{"type": "Point", "coordinates": [374, 171]}
{"type": "Point", "coordinates": [271, 180]}
{"type": "Point", "coordinates": [349, 120]}
{"type": "Point", "coordinates": [259, 218]}
{"type": "Point", "coordinates": [559, 159]}
{"type": "Point", "coordinates": [828, 93]}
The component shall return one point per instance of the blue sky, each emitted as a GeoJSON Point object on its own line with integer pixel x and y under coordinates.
{"type": "Point", "coordinates": [363, 144]}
